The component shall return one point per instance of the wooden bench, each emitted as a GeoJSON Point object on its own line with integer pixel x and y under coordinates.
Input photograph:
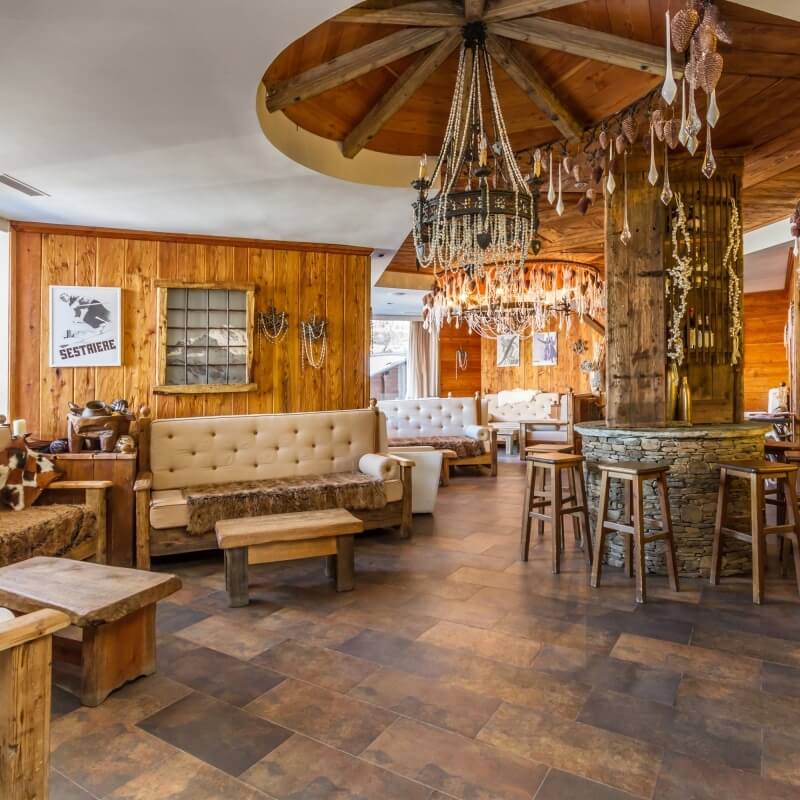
{"type": "Point", "coordinates": [114, 607]}
{"type": "Point", "coordinates": [284, 537]}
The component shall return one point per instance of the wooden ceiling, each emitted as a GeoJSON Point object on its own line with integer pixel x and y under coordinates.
{"type": "Point", "coordinates": [387, 87]}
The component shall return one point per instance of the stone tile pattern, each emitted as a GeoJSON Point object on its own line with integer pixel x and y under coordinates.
{"type": "Point", "coordinates": [453, 671]}
{"type": "Point", "coordinates": [693, 486]}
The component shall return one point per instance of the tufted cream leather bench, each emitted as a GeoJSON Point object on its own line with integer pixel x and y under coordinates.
{"type": "Point", "coordinates": [175, 454]}
{"type": "Point", "coordinates": [441, 417]}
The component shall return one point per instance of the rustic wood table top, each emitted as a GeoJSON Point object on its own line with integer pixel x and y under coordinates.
{"type": "Point", "coordinates": [89, 594]}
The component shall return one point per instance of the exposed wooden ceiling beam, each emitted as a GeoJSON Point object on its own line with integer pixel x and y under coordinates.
{"type": "Point", "coordinates": [772, 158]}
{"type": "Point", "coordinates": [473, 9]}
{"type": "Point", "coordinates": [531, 82]}
{"type": "Point", "coordinates": [351, 65]}
{"type": "Point", "coordinates": [402, 90]}
{"type": "Point", "coordinates": [501, 10]}
{"type": "Point", "coordinates": [586, 43]}
{"type": "Point", "coordinates": [425, 13]}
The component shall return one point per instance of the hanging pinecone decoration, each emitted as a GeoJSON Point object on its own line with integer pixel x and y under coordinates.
{"type": "Point", "coordinates": [672, 129]}
{"type": "Point", "coordinates": [709, 70]}
{"type": "Point", "coordinates": [683, 25]}
{"type": "Point", "coordinates": [657, 121]}
{"type": "Point", "coordinates": [630, 127]}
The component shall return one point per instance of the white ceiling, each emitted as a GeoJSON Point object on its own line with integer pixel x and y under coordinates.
{"type": "Point", "coordinates": [765, 270]}
{"type": "Point", "coordinates": [392, 302]}
{"type": "Point", "coordinates": [141, 114]}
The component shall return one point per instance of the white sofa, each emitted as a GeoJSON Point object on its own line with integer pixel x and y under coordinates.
{"type": "Point", "coordinates": [176, 454]}
{"type": "Point", "coordinates": [432, 421]}
{"type": "Point", "coordinates": [424, 477]}
{"type": "Point", "coordinates": [535, 417]}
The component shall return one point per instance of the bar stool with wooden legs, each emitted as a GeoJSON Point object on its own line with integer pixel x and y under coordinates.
{"type": "Point", "coordinates": [756, 473]}
{"type": "Point", "coordinates": [540, 477]}
{"type": "Point", "coordinates": [632, 523]}
{"type": "Point", "coordinates": [548, 474]}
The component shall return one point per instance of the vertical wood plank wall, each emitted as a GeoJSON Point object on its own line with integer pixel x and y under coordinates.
{"type": "Point", "coordinates": [565, 375]}
{"type": "Point", "coordinates": [462, 383]}
{"type": "Point", "coordinates": [332, 282]}
{"type": "Point", "coordinates": [765, 362]}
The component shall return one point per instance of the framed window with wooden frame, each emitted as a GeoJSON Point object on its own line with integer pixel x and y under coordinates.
{"type": "Point", "coordinates": [205, 337]}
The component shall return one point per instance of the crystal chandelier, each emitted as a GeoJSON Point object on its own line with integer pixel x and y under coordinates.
{"type": "Point", "coordinates": [484, 213]}
{"type": "Point", "coordinates": [500, 301]}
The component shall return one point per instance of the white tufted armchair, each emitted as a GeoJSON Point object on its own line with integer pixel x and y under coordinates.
{"type": "Point", "coordinates": [431, 421]}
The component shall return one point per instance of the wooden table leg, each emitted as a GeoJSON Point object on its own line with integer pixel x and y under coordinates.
{"type": "Point", "coordinates": [236, 577]}
{"type": "Point", "coordinates": [345, 563]}
{"type": "Point", "coordinates": [330, 566]}
{"type": "Point", "coordinates": [118, 652]}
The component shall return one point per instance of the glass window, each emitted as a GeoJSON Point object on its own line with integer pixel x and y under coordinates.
{"type": "Point", "coordinates": [388, 358]}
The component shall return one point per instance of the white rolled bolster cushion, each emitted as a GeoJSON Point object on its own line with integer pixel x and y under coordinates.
{"type": "Point", "coordinates": [479, 432]}
{"type": "Point", "coordinates": [5, 615]}
{"type": "Point", "coordinates": [379, 466]}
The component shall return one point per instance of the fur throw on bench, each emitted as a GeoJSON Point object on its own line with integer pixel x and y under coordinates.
{"type": "Point", "coordinates": [351, 490]}
{"type": "Point", "coordinates": [462, 446]}
{"type": "Point", "coordinates": [47, 530]}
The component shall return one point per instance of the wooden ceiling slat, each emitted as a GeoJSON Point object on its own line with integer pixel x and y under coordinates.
{"type": "Point", "coordinates": [351, 65]}
{"type": "Point", "coordinates": [403, 89]}
{"type": "Point", "coordinates": [425, 13]}
{"type": "Point", "coordinates": [532, 83]}
{"type": "Point", "coordinates": [473, 9]}
{"type": "Point", "coordinates": [585, 42]}
{"type": "Point", "coordinates": [771, 159]}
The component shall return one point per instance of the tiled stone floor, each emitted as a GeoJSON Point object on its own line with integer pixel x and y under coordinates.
{"type": "Point", "coordinates": [453, 671]}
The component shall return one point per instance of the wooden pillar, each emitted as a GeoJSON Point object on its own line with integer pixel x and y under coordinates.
{"type": "Point", "coordinates": [636, 346]}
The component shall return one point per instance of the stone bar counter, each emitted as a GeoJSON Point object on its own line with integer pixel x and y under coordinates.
{"type": "Point", "coordinates": [693, 454]}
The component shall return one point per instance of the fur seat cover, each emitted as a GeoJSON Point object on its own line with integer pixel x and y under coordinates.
{"type": "Point", "coordinates": [354, 491]}
{"type": "Point", "coordinates": [47, 530]}
{"type": "Point", "coordinates": [462, 446]}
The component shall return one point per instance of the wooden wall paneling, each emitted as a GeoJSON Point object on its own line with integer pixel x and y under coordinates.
{"type": "Point", "coordinates": [311, 382]}
{"type": "Point", "coordinates": [765, 362]}
{"type": "Point", "coordinates": [85, 275]}
{"type": "Point", "coordinates": [109, 381]}
{"type": "Point", "coordinates": [462, 383]}
{"type": "Point", "coordinates": [240, 261]}
{"type": "Point", "coordinates": [291, 344]}
{"type": "Point", "coordinates": [26, 327]}
{"type": "Point", "coordinates": [139, 323]}
{"type": "Point", "coordinates": [219, 267]}
{"type": "Point", "coordinates": [335, 309]}
{"type": "Point", "coordinates": [280, 352]}
{"type": "Point", "coordinates": [261, 272]}
{"type": "Point", "coordinates": [164, 405]}
{"type": "Point", "coordinates": [191, 267]}
{"type": "Point", "coordinates": [58, 268]}
{"type": "Point", "coordinates": [356, 369]}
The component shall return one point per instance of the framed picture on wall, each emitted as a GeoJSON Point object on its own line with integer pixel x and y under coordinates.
{"type": "Point", "coordinates": [545, 349]}
{"type": "Point", "coordinates": [508, 350]}
{"type": "Point", "coordinates": [85, 326]}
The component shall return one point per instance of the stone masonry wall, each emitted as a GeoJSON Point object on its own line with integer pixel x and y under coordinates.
{"type": "Point", "coordinates": [693, 483]}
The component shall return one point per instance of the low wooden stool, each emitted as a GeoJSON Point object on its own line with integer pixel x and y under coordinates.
{"type": "Point", "coordinates": [633, 474]}
{"type": "Point", "coordinates": [545, 501]}
{"type": "Point", "coordinates": [285, 537]}
{"type": "Point", "coordinates": [756, 473]}
{"type": "Point", "coordinates": [555, 447]}
{"type": "Point", "coordinates": [115, 608]}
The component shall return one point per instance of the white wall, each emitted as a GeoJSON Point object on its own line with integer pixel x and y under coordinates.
{"type": "Point", "coordinates": [5, 315]}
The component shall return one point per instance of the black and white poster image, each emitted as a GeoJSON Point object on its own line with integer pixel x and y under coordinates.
{"type": "Point", "coordinates": [508, 350]}
{"type": "Point", "coordinates": [85, 326]}
{"type": "Point", "coordinates": [545, 349]}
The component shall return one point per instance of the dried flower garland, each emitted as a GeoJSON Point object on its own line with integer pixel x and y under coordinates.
{"type": "Point", "coordinates": [680, 274]}
{"type": "Point", "coordinates": [729, 262]}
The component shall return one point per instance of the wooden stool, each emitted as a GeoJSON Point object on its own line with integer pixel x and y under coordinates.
{"type": "Point", "coordinates": [545, 501]}
{"type": "Point", "coordinates": [756, 473]}
{"type": "Point", "coordinates": [633, 474]}
{"type": "Point", "coordinates": [554, 447]}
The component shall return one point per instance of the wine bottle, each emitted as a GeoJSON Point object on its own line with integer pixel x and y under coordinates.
{"type": "Point", "coordinates": [708, 335]}
{"type": "Point", "coordinates": [692, 331]}
{"type": "Point", "coordinates": [705, 276]}
{"type": "Point", "coordinates": [700, 332]}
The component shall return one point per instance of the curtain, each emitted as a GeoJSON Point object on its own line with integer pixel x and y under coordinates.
{"type": "Point", "coordinates": [422, 378]}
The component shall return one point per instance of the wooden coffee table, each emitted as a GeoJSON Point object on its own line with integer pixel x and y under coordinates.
{"type": "Point", "coordinates": [114, 607]}
{"type": "Point", "coordinates": [284, 537]}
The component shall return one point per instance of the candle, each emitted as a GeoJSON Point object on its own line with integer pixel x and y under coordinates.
{"type": "Point", "coordinates": [18, 427]}
{"type": "Point", "coordinates": [484, 156]}
{"type": "Point", "coordinates": [423, 167]}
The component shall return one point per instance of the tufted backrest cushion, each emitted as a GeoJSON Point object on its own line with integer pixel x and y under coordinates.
{"type": "Point", "coordinates": [214, 450]}
{"type": "Point", "coordinates": [429, 416]}
{"type": "Point", "coordinates": [537, 408]}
